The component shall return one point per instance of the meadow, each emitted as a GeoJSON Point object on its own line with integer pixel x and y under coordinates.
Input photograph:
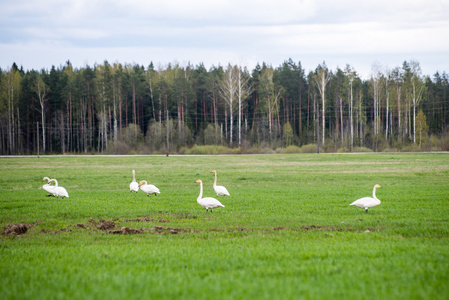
{"type": "Point", "coordinates": [286, 232]}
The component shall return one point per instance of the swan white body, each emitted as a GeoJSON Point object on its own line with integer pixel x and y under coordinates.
{"type": "Point", "coordinates": [134, 186]}
{"type": "Point", "coordinates": [59, 190]}
{"type": "Point", "coordinates": [220, 190]}
{"type": "Point", "coordinates": [48, 188]}
{"type": "Point", "coordinates": [368, 202]}
{"type": "Point", "coordinates": [207, 202]}
{"type": "Point", "coordinates": [148, 188]}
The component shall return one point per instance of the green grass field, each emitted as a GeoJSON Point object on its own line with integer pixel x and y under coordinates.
{"type": "Point", "coordinates": [287, 231]}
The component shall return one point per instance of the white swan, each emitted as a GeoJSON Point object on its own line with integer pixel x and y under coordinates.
{"type": "Point", "coordinates": [368, 202]}
{"type": "Point", "coordinates": [148, 188]}
{"type": "Point", "coordinates": [134, 186]}
{"type": "Point", "coordinates": [220, 190]}
{"type": "Point", "coordinates": [208, 202]}
{"type": "Point", "coordinates": [59, 190]}
{"type": "Point", "coordinates": [47, 187]}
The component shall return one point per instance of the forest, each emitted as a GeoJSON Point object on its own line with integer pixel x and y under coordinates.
{"type": "Point", "coordinates": [135, 109]}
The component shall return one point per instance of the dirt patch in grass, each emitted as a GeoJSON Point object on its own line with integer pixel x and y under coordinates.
{"type": "Point", "coordinates": [106, 225]}
{"type": "Point", "coordinates": [126, 230]}
{"type": "Point", "coordinates": [165, 229]}
{"type": "Point", "coordinates": [16, 229]}
{"type": "Point", "coordinates": [184, 216]}
{"type": "Point", "coordinates": [153, 230]}
{"type": "Point", "coordinates": [146, 219]}
{"type": "Point", "coordinates": [112, 227]}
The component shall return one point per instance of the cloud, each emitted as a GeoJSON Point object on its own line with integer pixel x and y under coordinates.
{"type": "Point", "coordinates": [223, 31]}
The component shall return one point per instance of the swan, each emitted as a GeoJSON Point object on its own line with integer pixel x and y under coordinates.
{"type": "Point", "coordinates": [368, 202]}
{"type": "Point", "coordinates": [48, 188]}
{"type": "Point", "coordinates": [59, 190]}
{"type": "Point", "coordinates": [220, 190]}
{"type": "Point", "coordinates": [134, 186]}
{"type": "Point", "coordinates": [208, 202]}
{"type": "Point", "coordinates": [148, 188]}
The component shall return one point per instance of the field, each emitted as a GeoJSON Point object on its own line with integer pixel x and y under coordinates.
{"type": "Point", "coordinates": [286, 232]}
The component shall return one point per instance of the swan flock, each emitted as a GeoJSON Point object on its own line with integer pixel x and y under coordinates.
{"type": "Point", "coordinates": [206, 202]}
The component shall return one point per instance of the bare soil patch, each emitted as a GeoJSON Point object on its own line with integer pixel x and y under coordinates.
{"type": "Point", "coordinates": [16, 229]}
{"type": "Point", "coordinates": [116, 226]}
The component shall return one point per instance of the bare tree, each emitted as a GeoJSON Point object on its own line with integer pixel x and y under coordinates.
{"type": "Point", "coordinates": [417, 90]}
{"type": "Point", "coordinates": [270, 94]}
{"type": "Point", "coordinates": [387, 90]}
{"type": "Point", "coordinates": [321, 78]}
{"type": "Point", "coordinates": [244, 90]}
{"type": "Point", "coordinates": [11, 88]}
{"type": "Point", "coordinates": [398, 81]}
{"type": "Point", "coordinates": [376, 78]}
{"type": "Point", "coordinates": [228, 90]}
{"type": "Point", "coordinates": [41, 89]}
{"type": "Point", "coordinates": [351, 75]}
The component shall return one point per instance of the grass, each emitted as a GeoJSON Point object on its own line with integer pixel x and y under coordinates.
{"type": "Point", "coordinates": [287, 231]}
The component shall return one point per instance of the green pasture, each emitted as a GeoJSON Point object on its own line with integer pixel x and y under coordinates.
{"type": "Point", "coordinates": [286, 232]}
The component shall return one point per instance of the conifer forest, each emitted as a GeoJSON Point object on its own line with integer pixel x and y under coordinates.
{"type": "Point", "coordinates": [134, 109]}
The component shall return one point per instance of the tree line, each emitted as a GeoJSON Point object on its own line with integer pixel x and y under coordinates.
{"type": "Point", "coordinates": [130, 108]}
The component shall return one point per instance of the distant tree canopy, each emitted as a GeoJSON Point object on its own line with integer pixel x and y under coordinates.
{"type": "Point", "coordinates": [115, 108]}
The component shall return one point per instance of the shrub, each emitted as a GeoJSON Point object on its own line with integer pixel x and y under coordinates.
{"type": "Point", "coordinates": [342, 150]}
{"type": "Point", "coordinates": [267, 151]}
{"type": "Point", "coordinates": [309, 148]}
{"type": "Point", "coordinates": [118, 147]}
{"type": "Point", "coordinates": [362, 149]}
{"type": "Point", "coordinates": [292, 149]}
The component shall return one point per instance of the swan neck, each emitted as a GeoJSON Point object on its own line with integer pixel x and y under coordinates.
{"type": "Point", "coordinates": [201, 191]}
{"type": "Point", "coordinates": [374, 194]}
{"type": "Point", "coordinates": [134, 175]}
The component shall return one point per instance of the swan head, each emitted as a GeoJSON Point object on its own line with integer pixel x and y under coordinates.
{"type": "Point", "coordinates": [377, 186]}
{"type": "Point", "coordinates": [213, 171]}
{"type": "Point", "coordinates": [142, 182]}
{"type": "Point", "coordinates": [45, 178]}
{"type": "Point", "coordinates": [198, 181]}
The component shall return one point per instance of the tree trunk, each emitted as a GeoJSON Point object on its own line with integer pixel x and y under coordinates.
{"type": "Point", "coordinates": [341, 120]}
{"type": "Point", "coordinates": [351, 119]}
{"type": "Point", "coordinates": [134, 103]}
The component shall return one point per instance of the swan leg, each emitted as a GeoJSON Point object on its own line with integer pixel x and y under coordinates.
{"type": "Point", "coordinates": [366, 210]}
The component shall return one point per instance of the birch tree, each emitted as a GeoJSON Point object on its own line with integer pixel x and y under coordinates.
{"type": "Point", "coordinates": [387, 105]}
{"type": "Point", "coordinates": [266, 88]}
{"type": "Point", "coordinates": [42, 90]}
{"type": "Point", "coordinates": [351, 74]}
{"type": "Point", "coordinates": [11, 89]}
{"type": "Point", "coordinates": [117, 73]}
{"type": "Point", "coordinates": [421, 128]}
{"type": "Point", "coordinates": [270, 95]}
{"type": "Point", "coordinates": [376, 77]}
{"type": "Point", "coordinates": [103, 87]}
{"type": "Point", "coordinates": [321, 79]}
{"type": "Point", "coordinates": [243, 91]}
{"type": "Point", "coordinates": [417, 89]}
{"type": "Point", "coordinates": [69, 92]}
{"type": "Point", "coordinates": [228, 90]}
{"type": "Point", "coordinates": [397, 79]}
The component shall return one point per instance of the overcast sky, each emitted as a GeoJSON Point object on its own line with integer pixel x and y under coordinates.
{"type": "Point", "coordinates": [41, 33]}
